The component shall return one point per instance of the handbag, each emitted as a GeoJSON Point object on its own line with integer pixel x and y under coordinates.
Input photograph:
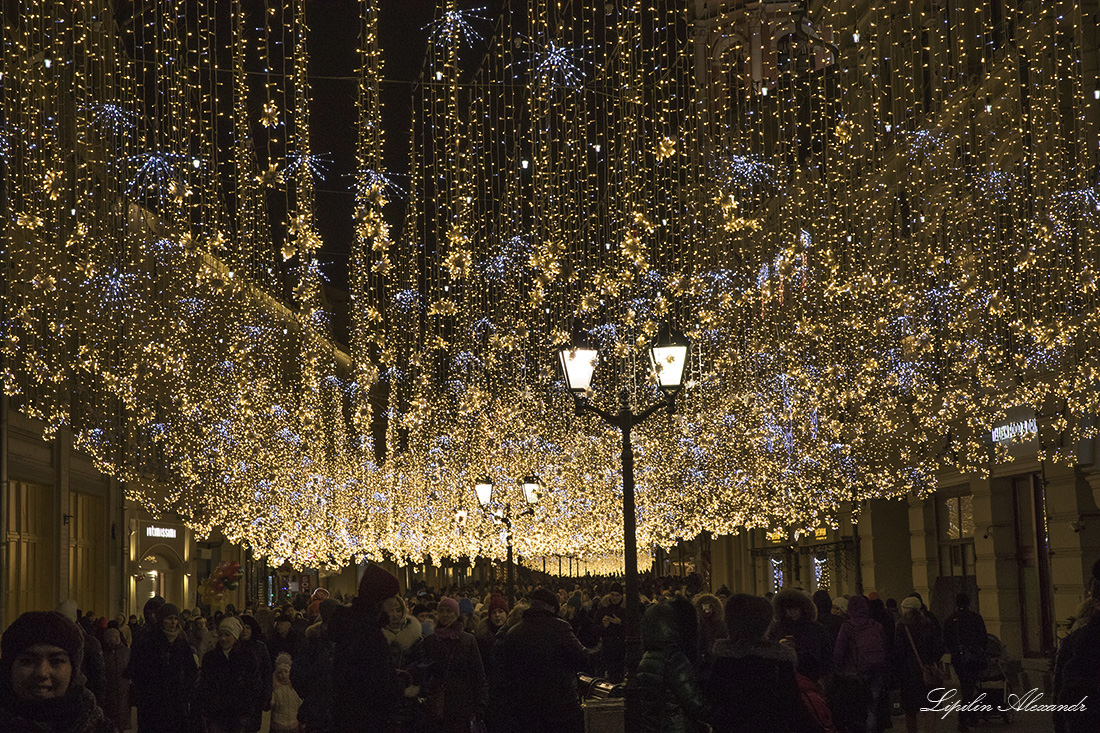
{"type": "Point", "coordinates": [933, 675]}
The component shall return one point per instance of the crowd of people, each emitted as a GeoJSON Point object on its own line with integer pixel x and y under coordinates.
{"type": "Point", "coordinates": [464, 659]}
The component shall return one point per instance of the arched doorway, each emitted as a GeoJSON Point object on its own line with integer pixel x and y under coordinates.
{"type": "Point", "coordinates": [159, 573]}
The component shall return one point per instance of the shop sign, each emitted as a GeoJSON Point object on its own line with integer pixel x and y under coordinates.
{"type": "Point", "coordinates": [1015, 431]}
{"type": "Point", "coordinates": [162, 532]}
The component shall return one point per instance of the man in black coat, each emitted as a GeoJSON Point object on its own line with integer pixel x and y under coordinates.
{"type": "Point", "coordinates": [365, 684]}
{"type": "Point", "coordinates": [535, 666]}
{"type": "Point", "coordinates": [965, 637]}
{"type": "Point", "coordinates": [163, 672]}
{"type": "Point", "coordinates": [610, 618]}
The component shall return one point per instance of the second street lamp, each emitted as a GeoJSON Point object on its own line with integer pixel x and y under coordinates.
{"type": "Point", "coordinates": [668, 356]}
{"type": "Point", "coordinates": [532, 489]}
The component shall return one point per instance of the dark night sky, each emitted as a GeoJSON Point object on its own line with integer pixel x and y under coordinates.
{"type": "Point", "coordinates": [334, 40]}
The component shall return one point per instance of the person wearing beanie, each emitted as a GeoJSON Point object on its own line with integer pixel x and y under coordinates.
{"type": "Point", "coordinates": [610, 625]}
{"type": "Point", "coordinates": [535, 664]}
{"type": "Point", "coordinates": [284, 638]}
{"type": "Point", "coordinates": [376, 585]}
{"type": "Point", "coordinates": [451, 675]}
{"type": "Point", "coordinates": [917, 642]}
{"type": "Point", "coordinates": [860, 654]}
{"type": "Point", "coordinates": [92, 665]}
{"type": "Point", "coordinates": [581, 620]}
{"type": "Point", "coordinates": [163, 671]}
{"type": "Point", "coordinates": [466, 612]}
{"type": "Point", "coordinates": [488, 630]}
{"type": "Point", "coordinates": [229, 682]}
{"type": "Point", "coordinates": [41, 686]}
{"type": "Point", "coordinates": [285, 701]}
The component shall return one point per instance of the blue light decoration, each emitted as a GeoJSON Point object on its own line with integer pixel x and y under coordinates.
{"type": "Point", "coordinates": [454, 28]}
{"type": "Point", "coordinates": [510, 257]}
{"type": "Point", "coordinates": [158, 172]}
{"type": "Point", "coordinates": [777, 573]}
{"type": "Point", "coordinates": [113, 288]}
{"type": "Point", "coordinates": [994, 185]}
{"type": "Point", "coordinates": [111, 118]}
{"type": "Point", "coordinates": [822, 579]}
{"type": "Point", "coordinates": [924, 141]}
{"type": "Point", "coordinates": [555, 65]}
{"type": "Point", "coordinates": [315, 163]}
{"type": "Point", "coordinates": [406, 302]}
{"type": "Point", "coordinates": [7, 146]}
{"type": "Point", "coordinates": [736, 171]}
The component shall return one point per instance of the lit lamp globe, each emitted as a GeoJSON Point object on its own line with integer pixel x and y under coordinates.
{"type": "Point", "coordinates": [668, 355]}
{"type": "Point", "coordinates": [484, 489]}
{"type": "Point", "coordinates": [578, 364]}
{"type": "Point", "coordinates": [532, 488]}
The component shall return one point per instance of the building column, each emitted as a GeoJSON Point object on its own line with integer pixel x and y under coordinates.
{"type": "Point", "coordinates": [922, 546]}
{"type": "Point", "coordinates": [997, 570]}
{"type": "Point", "coordinates": [886, 551]}
{"type": "Point", "coordinates": [63, 445]}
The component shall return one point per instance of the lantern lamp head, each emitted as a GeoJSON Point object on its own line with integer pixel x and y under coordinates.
{"type": "Point", "coordinates": [668, 355]}
{"type": "Point", "coordinates": [532, 489]}
{"type": "Point", "coordinates": [578, 363]}
{"type": "Point", "coordinates": [484, 489]}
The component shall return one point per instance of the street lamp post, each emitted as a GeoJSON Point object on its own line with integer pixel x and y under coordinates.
{"type": "Point", "coordinates": [531, 490]}
{"type": "Point", "coordinates": [668, 356]}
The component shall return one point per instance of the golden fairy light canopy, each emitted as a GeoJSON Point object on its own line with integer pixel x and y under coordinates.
{"type": "Point", "coordinates": [879, 232]}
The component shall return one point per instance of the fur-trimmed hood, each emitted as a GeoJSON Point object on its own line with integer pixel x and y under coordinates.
{"type": "Point", "coordinates": [410, 633]}
{"type": "Point", "coordinates": [317, 631]}
{"type": "Point", "coordinates": [794, 599]}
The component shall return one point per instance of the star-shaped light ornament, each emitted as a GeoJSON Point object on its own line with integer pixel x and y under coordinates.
{"type": "Point", "coordinates": [666, 148]}
{"type": "Point", "coordinates": [270, 115]}
{"type": "Point", "coordinates": [271, 177]}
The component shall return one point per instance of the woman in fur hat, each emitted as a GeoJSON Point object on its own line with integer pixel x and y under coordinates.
{"type": "Point", "coordinates": [41, 688]}
{"type": "Point", "coordinates": [229, 682]}
{"type": "Point", "coordinates": [452, 676]}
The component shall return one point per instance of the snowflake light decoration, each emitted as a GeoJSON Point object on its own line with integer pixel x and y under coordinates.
{"type": "Point", "coordinates": [158, 172]}
{"type": "Point", "coordinates": [112, 118]}
{"type": "Point", "coordinates": [454, 27]}
{"type": "Point", "coordinates": [555, 65]}
{"type": "Point", "coordinates": [315, 163]}
{"type": "Point", "coordinates": [369, 179]}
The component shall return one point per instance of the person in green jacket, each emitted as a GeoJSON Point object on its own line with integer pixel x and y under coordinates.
{"type": "Point", "coordinates": [670, 699]}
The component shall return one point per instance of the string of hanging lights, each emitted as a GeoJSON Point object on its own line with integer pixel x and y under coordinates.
{"type": "Point", "coordinates": [878, 232]}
